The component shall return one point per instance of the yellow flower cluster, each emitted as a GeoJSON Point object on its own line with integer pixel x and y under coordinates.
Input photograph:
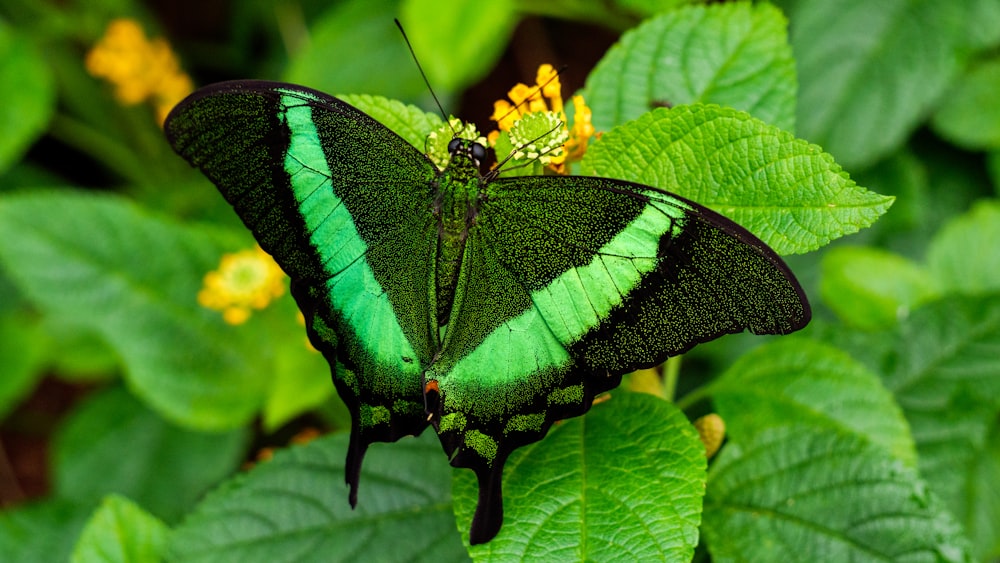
{"type": "Point", "coordinates": [139, 68]}
{"type": "Point", "coordinates": [526, 100]}
{"type": "Point", "coordinates": [245, 280]}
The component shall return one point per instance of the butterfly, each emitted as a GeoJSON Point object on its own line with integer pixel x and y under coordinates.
{"type": "Point", "coordinates": [486, 307]}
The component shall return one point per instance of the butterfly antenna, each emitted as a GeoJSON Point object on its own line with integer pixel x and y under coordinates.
{"type": "Point", "coordinates": [422, 75]}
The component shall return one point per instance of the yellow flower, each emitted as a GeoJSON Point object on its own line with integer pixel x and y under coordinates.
{"type": "Point", "coordinates": [245, 280]}
{"type": "Point", "coordinates": [581, 132]}
{"type": "Point", "coordinates": [140, 69]}
{"type": "Point", "coordinates": [544, 97]}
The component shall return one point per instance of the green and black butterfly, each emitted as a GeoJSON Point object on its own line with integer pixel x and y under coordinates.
{"type": "Point", "coordinates": [486, 307]}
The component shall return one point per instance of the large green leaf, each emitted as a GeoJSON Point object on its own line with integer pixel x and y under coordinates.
{"type": "Point", "coordinates": [623, 482]}
{"type": "Point", "coordinates": [729, 54]}
{"type": "Point", "coordinates": [942, 364]}
{"type": "Point", "coordinates": [785, 190]}
{"type": "Point", "coordinates": [100, 261]}
{"type": "Point", "coordinates": [870, 71]}
{"type": "Point", "coordinates": [121, 532]}
{"type": "Point", "coordinates": [810, 494]}
{"type": "Point", "coordinates": [28, 93]}
{"type": "Point", "coordinates": [947, 379]}
{"type": "Point", "coordinates": [166, 468]}
{"type": "Point", "coordinates": [800, 381]}
{"type": "Point", "coordinates": [294, 508]}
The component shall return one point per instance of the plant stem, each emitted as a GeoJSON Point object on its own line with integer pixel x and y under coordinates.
{"type": "Point", "coordinates": [671, 371]}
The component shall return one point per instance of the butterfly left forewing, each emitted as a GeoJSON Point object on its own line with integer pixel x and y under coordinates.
{"type": "Point", "coordinates": [343, 205]}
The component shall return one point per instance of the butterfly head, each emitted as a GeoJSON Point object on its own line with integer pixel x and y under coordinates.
{"type": "Point", "coordinates": [472, 150]}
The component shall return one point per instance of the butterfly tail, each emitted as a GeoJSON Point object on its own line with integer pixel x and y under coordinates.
{"type": "Point", "coordinates": [352, 468]}
{"type": "Point", "coordinates": [489, 510]}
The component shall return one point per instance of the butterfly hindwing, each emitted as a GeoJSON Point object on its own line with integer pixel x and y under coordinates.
{"type": "Point", "coordinates": [342, 204]}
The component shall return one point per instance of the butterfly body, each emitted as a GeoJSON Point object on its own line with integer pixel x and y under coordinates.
{"type": "Point", "coordinates": [455, 207]}
{"type": "Point", "coordinates": [486, 307]}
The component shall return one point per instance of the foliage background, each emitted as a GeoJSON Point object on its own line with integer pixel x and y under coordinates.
{"type": "Point", "coordinates": [871, 434]}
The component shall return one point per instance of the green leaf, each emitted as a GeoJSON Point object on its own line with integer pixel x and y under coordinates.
{"type": "Point", "coordinates": [947, 379]}
{"type": "Point", "coordinates": [369, 53]}
{"type": "Point", "coordinates": [788, 192]}
{"type": "Point", "coordinates": [981, 511]}
{"type": "Point", "coordinates": [811, 494]}
{"type": "Point", "coordinates": [793, 380]}
{"type": "Point", "coordinates": [22, 349]}
{"type": "Point", "coordinates": [112, 444]}
{"type": "Point", "coordinates": [963, 256]}
{"type": "Point", "coordinates": [959, 453]}
{"type": "Point", "coordinates": [970, 114]}
{"type": "Point", "coordinates": [948, 348]}
{"type": "Point", "coordinates": [728, 54]}
{"type": "Point", "coordinates": [871, 289]}
{"type": "Point", "coordinates": [121, 531]}
{"type": "Point", "coordinates": [41, 532]}
{"type": "Point", "coordinates": [294, 508]}
{"type": "Point", "coordinates": [870, 71]}
{"type": "Point", "coordinates": [100, 261]}
{"type": "Point", "coordinates": [457, 42]}
{"type": "Point", "coordinates": [409, 122]}
{"type": "Point", "coordinates": [942, 367]}
{"type": "Point", "coordinates": [623, 482]}
{"type": "Point", "coordinates": [28, 93]}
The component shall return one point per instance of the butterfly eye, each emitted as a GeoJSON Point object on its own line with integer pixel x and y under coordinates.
{"type": "Point", "coordinates": [478, 152]}
{"type": "Point", "coordinates": [453, 145]}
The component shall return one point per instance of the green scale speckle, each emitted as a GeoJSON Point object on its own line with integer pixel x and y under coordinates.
{"type": "Point", "coordinates": [526, 423]}
{"type": "Point", "coordinates": [567, 395]}
{"type": "Point", "coordinates": [453, 422]}
{"type": "Point", "coordinates": [374, 415]}
{"type": "Point", "coordinates": [485, 446]}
